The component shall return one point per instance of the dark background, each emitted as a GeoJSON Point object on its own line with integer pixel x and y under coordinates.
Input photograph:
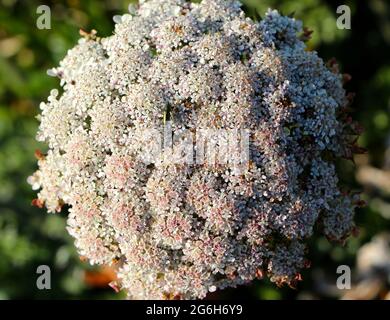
{"type": "Point", "coordinates": [29, 237]}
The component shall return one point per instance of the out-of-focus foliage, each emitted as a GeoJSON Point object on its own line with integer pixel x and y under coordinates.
{"type": "Point", "coordinates": [29, 237]}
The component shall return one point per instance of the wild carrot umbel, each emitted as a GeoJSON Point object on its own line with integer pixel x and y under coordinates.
{"type": "Point", "coordinates": [180, 230]}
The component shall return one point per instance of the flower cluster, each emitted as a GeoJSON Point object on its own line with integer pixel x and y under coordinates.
{"type": "Point", "coordinates": [177, 230]}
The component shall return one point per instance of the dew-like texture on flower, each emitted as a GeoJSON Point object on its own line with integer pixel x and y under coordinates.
{"type": "Point", "coordinates": [181, 230]}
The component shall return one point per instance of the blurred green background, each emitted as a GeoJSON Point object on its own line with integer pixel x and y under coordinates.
{"type": "Point", "coordinates": [29, 237]}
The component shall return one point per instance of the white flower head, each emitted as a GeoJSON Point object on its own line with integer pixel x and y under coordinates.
{"type": "Point", "coordinates": [183, 229]}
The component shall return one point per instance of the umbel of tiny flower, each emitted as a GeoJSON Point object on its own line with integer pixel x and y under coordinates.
{"type": "Point", "coordinates": [178, 230]}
